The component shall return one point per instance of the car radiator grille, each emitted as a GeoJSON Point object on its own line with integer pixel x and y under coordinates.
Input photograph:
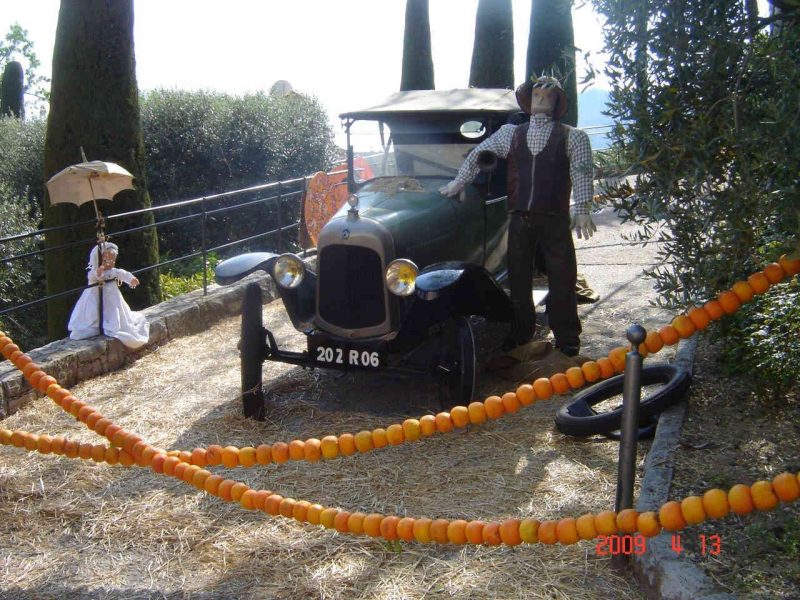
{"type": "Point", "coordinates": [351, 287]}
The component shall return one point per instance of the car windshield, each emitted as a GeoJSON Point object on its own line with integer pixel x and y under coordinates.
{"type": "Point", "coordinates": [418, 149]}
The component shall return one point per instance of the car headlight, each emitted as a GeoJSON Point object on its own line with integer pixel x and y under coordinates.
{"type": "Point", "coordinates": [288, 271]}
{"type": "Point", "coordinates": [401, 277]}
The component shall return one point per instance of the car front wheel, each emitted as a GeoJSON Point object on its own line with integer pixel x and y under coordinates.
{"type": "Point", "coordinates": [251, 351]}
{"type": "Point", "coordinates": [455, 368]}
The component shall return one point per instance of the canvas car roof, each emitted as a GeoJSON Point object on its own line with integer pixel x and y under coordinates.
{"type": "Point", "coordinates": [418, 102]}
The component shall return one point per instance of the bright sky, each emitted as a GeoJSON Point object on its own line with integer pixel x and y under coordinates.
{"type": "Point", "coordinates": [348, 53]}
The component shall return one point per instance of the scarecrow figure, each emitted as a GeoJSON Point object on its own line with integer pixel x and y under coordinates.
{"type": "Point", "coordinates": [547, 160]}
{"type": "Point", "coordinates": [119, 321]}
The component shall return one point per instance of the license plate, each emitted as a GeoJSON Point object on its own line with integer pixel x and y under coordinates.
{"type": "Point", "coordinates": [346, 357]}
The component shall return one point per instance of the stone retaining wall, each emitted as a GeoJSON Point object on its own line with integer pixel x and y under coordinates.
{"type": "Point", "coordinates": [72, 361]}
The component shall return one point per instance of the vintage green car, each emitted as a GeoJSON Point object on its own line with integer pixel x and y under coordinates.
{"type": "Point", "coordinates": [400, 268]}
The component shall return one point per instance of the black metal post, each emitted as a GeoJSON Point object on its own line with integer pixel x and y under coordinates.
{"type": "Point", "coordinates": [280, 218]}
{"type": "Point", "coordinates": [631, 397]}
{"type": "Point", "coordinates": [203, 245]}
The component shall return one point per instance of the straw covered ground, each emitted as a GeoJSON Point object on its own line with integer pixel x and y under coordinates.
{"type": "Point", "coordinates": [73, 528]}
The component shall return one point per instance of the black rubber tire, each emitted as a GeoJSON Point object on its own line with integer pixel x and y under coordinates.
{"type": "Point", "coordinates": [251, 352]}
{"type": "Point", "coordinates": [578, 418]}
{"type": "Point", "coordinates": [456, 363]}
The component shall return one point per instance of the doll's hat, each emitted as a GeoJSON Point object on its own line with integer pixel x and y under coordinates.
{"type": "Point", "coordinates": [525, 91]}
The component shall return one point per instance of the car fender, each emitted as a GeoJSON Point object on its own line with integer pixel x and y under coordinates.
{"type": "Point", "coordinates": [300, 302]}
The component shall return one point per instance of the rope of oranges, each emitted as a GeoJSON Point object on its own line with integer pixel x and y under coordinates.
{"type": "Point", "coordinates": [411, 430]}
{"type": "Point", "coordinates": [672, 516]}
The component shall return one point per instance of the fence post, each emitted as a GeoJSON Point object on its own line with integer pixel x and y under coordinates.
{"type": "Point", "coordinates": [203, 245]}
{"type": "Point", "coordinates": [280, 218]}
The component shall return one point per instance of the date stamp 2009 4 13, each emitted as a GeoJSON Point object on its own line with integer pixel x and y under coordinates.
{"type": "Point", "coordinates": [614, 545]}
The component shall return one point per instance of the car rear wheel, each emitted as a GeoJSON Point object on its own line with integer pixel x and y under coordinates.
{"type": "Point", "coordinates": [455, 366]}
{"type": "Point", "coordinates": [251, 351]}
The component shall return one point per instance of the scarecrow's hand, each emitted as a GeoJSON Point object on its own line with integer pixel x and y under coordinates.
{"type": "Point", "coordinates": [134, 282]}
{"type": "Point", "coordinates": [584, 226]}
{"type": "Point", "coordinates": [452, 188]}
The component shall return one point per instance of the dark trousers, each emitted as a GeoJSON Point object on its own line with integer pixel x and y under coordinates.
{"type": "Point", "coordinates": [550, 233]}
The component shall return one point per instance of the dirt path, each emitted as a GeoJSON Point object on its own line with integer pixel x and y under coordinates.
{"type": "Point", "coordinates": [76, 529]}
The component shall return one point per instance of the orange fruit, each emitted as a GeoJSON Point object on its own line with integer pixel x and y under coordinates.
{"type": "Point", "coordinates": [237, 490]}
{"type": "Point", "coordinates": [605, 522]}
{"type": "Point", "coordinates": [363, 440]}
{"type": "Point", "coordinates": [300, 510]}
{"type": "Point", "coordinates": [224, 490]}
{"type": "Point", "coordinates": [606, 368]}
{"type": "Point", "coordinates": [444, 423]}
{"type": "Point", "coordinates": [774, 272]}
{"type": "Point", "coordinates": [669, 335]}
{"type": "Point", "coordinates": [493, 405]}
{"type": "Point", "coordinates": [422, 530]}
{"type": "Point", "coordinates": [456, 531]}
{"type": "Point", "coordinates": [84, 450]}
{"type": "Point", "coordinates": [43, 446]}
{"type": "Point", "coordinates": [340, 521]}
{"type": "Point", "coordinates": [743, 290]}
{"type": "Point", "coordinates": [548, 533]}
{"type": "Point", "coordinates": [617, 358]}
{"type": "Point", "coordinates": [125, 459]}
{"type": "Point", "coordinates": [314, 512]}
{"type": "Point", "coordinates": [684, 326]}
{"type": "Point", "coordinates": [764, 497]}
{"type": "Point", "coordinates": [427, 425]}
{"type": "Point", "coordinates": [372, 524]}
{"type": "Point", "coordinates": [543, 388]}
{"type": "Point", "coordinates": [575, 377]}
{"type": "Point", "coordinates": [671, 516]}
{"type": "Point", "coordinates": [405, 529]}
{"type": "Point", "coordinates": [591, 371]}
{"type": "Point", "coordinates": [329, 447]}
{"type": "Point", "coordinates": [647, 524]}
{"type": "Point", "coordinates": [102, 425]}
{"type": "Point", "coordinates": [170, 463]}
{"type": "Point", "coordinates": [529, 531]}
{"type": "Point", "coordinates": [379, 439]}
{"type": "Point", "coordinates": [84, 413]}
{"type": "Point", "coordinates": [509, 532]}
{"type": "Point", "coordinates": [213, 454]}
{"type": "Point", "coordinates": [248, 499]}
{"type": "Point", "coordinates": [411, 430]}
{"type": "Point", "coordinates": [567, 531]}
{"type": "Point", "coordinates": [491, 534]}
{"type": "Point", "coordinates": [714, 309]}
{"type": "Point", "coordinates": [9, 349]}
{"type": "Point", "coordinates": [211, 484]}
{"type": "Point", "coordinates": [311, 450]}
{"type": "Point", "coordinates": [715, 503]}
{"type": "Point", "coordinates": [296, 450]}
{"type": "Point", "coordinates": [700, 317]}
{"type": "Point", "coordinates": [230, 456]}
{"type": "Point", "coordinates": [786, 487]}
{"type": "Point", "coordinates": [92, 419]}
{"type": "Point", "coordinates": [247, 456]}
{"type": "Point", "coordinates": [740, 499]}
{"type": "Point", "coordinates": [355, 523]}
{"type": "Point", "coordinates": [439, 531]}
{"type": "Point", "coordinates": [477, 413]}
{"type": "Point", "coordinates": [394, 434]}
{"type": "Point", "coordinates": [474, 531]}
{"type": "Point", "coordinates": [525, 394]}
{"type": "Point", "coordinates": [559, 383]}
{"type": "Point", "coordinates": [45, 382]}
{"type": "Point", "coordinates": [389, 527]}
{"type": "Point", "coordinates": [56, 445]}
{"type": "Point", "coordinates": [29, 369]}
{"type": "Point", "coordinates": [460, 416]}
{"type": "Point", "coordinates": [790, 265]}
{"type": "Point", "coordinates": [729, 302]}
{"type": "Point", "coordinates": [347, 444]}
{"type": "Point", "coordinates": [511, 403]}
{"type": "Point", "coordinates": [34, 379]}
{"type": "Point", "coordinates": [626, 520]}
{"type": "Point", "coordinates": [759, 282]}
{"type": "Point", "coordinates": [585, 527]}
{"type": "Point", "coordinates": [327, 517]}
{"type": "Point", "coordinates": [280, 452]}
{"type": "Point", "coordinates": [264, 454]}
{"type": "Point", "coordinates": [692, 509]}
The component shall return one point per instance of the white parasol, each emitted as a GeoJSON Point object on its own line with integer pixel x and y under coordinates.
{"type": "Point", "coordinates": [88, 182]}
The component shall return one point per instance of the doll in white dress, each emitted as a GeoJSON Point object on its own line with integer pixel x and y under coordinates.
{"type": "Point", "coordinates": [119, 321]}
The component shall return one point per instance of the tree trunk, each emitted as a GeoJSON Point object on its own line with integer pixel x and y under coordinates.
{"type": "Point", "coordinates": [551, 49]}
{"type": "Point", "coordinates": [12, 97]}
{"type": "Point", "coordinates": [493, 50]}
{"type": "Point", "coordinates": [417, 59]}
{"type": "Point", "coordinates": [94, 105]}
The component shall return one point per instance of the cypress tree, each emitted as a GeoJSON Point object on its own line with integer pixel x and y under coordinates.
{"type": "Point", "coordinates": [94, 104]}
{"type": "Point", "coordinates": [493, 49]}
{"type": "Point", "coordinates": [12, 96]}
{"type": "Point", "coordinates": [417, 59]}
{"type": "Point", "coordinates": [551, 49]}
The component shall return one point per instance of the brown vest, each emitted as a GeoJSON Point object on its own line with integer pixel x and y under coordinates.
{"type": "Point", "coordinates": [551, 187]}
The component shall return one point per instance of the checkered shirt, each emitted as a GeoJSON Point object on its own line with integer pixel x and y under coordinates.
{"type": "Point", "coordinates": [579, 153]}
